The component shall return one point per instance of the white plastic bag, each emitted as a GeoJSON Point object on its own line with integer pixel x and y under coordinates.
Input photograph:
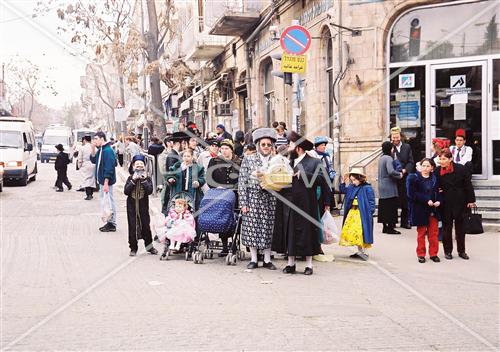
{"type": "Point", "coordinates": [330, 229]}
{"type": "Point", "coordinates": [107, 211]}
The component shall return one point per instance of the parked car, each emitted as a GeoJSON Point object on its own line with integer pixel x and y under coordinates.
{"type": "Point", "coordinates": [17, 150]}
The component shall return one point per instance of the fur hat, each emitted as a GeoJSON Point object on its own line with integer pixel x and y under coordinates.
{"type": "Point", "coordinates": [264, 132]}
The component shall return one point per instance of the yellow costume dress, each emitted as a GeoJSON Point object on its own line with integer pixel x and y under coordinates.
{"type": "Point", "coordinates": [352, 231]}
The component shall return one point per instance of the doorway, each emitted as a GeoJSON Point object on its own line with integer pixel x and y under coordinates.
{"type": "Point", "coordinates": [458, 101]}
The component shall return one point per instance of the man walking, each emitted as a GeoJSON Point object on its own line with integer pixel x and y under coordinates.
{"type": "Point", "coordinates": [61, 166]}
{"type": "Point", "coordinates": [405, 157]}
{"type": "Point", "coordinates": [104, 158]}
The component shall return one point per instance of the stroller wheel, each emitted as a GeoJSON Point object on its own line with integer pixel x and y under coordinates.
{"type": "Point", "coordinates": [228, 259]}
{"type": "Point", "coordinates": [211, 254]}
{"type": "Point", "coordinates": [187, 255]}
{"type": "Point", "coordinates": [201, 260]}
{"type": "Point", "coordinates": [195, 258]}
{"type": "Point", "coordinates": [234, 260]}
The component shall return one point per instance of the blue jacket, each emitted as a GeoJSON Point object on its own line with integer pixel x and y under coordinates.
{"type": "Point", "coordinates": [366, 204]}
{"type": "Point", "coordinates": [106, 165]}
{"type": "Point", "coordinates": [420, 190]}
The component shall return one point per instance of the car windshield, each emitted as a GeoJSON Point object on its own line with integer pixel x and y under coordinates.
{"type": "Point", "coordinates": [11, 139]}
{"type": "Point", "coordinates": [54, 140]}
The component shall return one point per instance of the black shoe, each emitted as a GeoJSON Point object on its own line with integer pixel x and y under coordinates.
{"type": "Point", "coordinates": [289, 269]}
{"type": "Point", "coordinates": [132, 253]}
{"type": "Point", "coordinates": [354, 256]}
{"type": "Point", "coordinates": [80, 190]}
{"type": "Point", "coordinates": [421, 259]}
{"type": "Point", "coordinates": [463, 255]}
{"type": "Point", "coordinates": [108, 228]}
{"type": "Point", "coordinates": [88, 198]}
{"type": "Point", "coordinates": [308, 271]}
{"type": "Point", "coordinates": [392, 232]}
{"type": "Point", "coordinates": [448, 256]}
{"type": "Point", "coordinates": [252, 265]}
{"type": "Point", "coordinates": [406, 226]}
{"type": "Point", "coordinates": [269, 266]}
{"type": "Point", "coordinates": [59, 190]}
{"type": "Point", "coordinates": [69, 187]}
{"type": "Point", "coordinates": [153, 251]}
{"type": "Point", "coordinates": [435, 259]}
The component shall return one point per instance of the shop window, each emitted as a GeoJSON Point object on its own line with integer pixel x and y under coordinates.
{"type": "Point", "coordinates": [407, 102]}
{"type": "Point", "coordinates": [437, 33]}
{"type": "Point", "coordinates": [496, 157]}
{"type": "Point", "coordinates": [496, 85]}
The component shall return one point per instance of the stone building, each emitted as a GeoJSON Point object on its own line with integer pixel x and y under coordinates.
{"type": "Point", "coordinates": [429, 66]}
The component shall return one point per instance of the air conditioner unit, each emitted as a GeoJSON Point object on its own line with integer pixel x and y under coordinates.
{"type": "Point", "coordinates": [223, 109]}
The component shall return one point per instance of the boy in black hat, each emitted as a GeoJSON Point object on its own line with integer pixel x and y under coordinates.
{"type": "Point", "coordinates": [61, 166]}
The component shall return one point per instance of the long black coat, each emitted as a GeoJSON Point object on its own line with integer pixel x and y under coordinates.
{"type": "Point", "coordinates": [62, 161]}
{"type": "Point", "coordinates": [138, 193]}
{"type": "Point", "coordinates": [303, 236]}
{"type": "Point", "coordinates": [457, 191]}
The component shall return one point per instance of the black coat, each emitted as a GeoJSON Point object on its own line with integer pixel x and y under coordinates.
{"type": "Point", "coordinates": [62, 161]}
{"type": "Point", "coordinates": [405, 156]}
{"type": "Point", "coordinates": [457, 191]}
{"type": "Point", "coordinates": [223, 173]}
{"type": "Point", "coordinates": [303, 236]}
{"type": "Point", "coordinates": [138, 193]}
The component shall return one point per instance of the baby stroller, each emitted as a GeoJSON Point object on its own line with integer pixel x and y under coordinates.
{"type": "Point", "coordinates": [218, 215]}
{"type": "Point", "coordinates": [188, 248]}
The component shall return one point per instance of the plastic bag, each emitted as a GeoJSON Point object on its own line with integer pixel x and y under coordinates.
{"type": "Point", "coordinates": [107, 211]}
{"type": "Point", "coordinates": [330, 229]}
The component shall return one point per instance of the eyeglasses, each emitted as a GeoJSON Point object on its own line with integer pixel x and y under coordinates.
{"type": "Point", "coordinates": [266, 144]}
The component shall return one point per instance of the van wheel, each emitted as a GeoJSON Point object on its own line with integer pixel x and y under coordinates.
{"type": "Point", "coordinates": [24, 180]}
{"type": "Point", "coordinates": [35, 171]}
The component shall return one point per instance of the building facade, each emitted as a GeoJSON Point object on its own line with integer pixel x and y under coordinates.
{"type": "Point", "coordinates": [372, 64]}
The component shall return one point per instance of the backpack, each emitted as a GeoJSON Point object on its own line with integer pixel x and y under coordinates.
{"type": "Point", "coordinates": [216, 212]}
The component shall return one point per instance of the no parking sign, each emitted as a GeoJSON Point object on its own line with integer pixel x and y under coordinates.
{"type": "Point", "coordinates": [295, 40]}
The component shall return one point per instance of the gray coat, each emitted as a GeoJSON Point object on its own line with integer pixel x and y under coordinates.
{"type": "Point", "coordinates": [387, 178]}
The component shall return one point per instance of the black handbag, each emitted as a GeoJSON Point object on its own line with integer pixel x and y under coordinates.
{"type": "Point", "coordinates": [473, 222]}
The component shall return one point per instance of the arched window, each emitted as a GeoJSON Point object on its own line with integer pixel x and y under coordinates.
{"type": "Point", "coordinates": [268, 80]}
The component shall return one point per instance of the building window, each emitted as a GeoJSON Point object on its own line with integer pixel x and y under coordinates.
{"type": "Point", "coordinates": [496, 85]}
{"type": "Point", "coordinates": [268, 93]}
{"type": "Point", "coordinates": [432, 33]}
{"type": "Point", "coordinates": [330, 91]}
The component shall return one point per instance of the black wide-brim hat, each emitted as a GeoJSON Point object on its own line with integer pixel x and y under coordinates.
{"type": "Point", "coordinates": [60, 147]}
{"type": "Point", "coordinates": [178, 137]}
{"type": "Point", "coordinates": [300, 141]}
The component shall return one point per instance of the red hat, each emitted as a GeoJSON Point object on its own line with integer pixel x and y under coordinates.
{"type": "Point", "coordinates": [460, 133]}
{"type": "Point", "coordinates": [441, 142]}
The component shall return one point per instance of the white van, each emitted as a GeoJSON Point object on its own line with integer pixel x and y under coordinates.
{"type": "Point", "coordinates": [18, 151]}
{"type": "Point", "coordinates": [53, 136]}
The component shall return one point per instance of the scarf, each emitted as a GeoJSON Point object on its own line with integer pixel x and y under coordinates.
{"type": "Point", "coordinates": [447, 170]}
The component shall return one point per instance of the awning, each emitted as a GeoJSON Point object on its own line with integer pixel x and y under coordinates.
{"type": "Point", "coordinates": [186, 103]}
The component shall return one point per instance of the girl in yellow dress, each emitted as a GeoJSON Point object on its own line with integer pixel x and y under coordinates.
{"type": "Point", "coordinates": [359, 206]}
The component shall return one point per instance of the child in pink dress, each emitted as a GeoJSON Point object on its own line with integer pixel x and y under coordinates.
{"type": "Point", "coordinates": [180, 225]}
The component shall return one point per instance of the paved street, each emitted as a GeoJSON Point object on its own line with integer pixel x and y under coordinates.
{"type": "Point", "coordinates": [66, 286]}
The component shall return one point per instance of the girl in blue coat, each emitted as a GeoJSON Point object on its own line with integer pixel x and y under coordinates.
{"type": "Point", "coordinates": [359, 206]}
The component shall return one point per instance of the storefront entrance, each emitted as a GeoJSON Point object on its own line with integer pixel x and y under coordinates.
{"type": "Point", "coordinates": [458, 100]}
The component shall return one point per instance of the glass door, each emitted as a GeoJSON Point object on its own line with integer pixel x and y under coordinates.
{"type": "Point", "coordinates": [458, 100]}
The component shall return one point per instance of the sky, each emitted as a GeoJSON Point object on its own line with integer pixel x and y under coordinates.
{"type": "Point", "coordinates": [37, 40]}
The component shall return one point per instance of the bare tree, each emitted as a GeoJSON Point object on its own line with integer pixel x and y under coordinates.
{"type": "Point", "coordinates": [24, 78]}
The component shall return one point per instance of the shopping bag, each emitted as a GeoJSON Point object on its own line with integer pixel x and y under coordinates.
{"type": "Point", "coordinates": [330, 229]}
{"type": "Point", "coordinates": [107, 211]}
{"type": "Point", "coordinates": [473, 222]}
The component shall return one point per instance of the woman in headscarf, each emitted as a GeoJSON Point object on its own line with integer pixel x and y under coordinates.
{"type": "Point", "coordinates": [257, 204]}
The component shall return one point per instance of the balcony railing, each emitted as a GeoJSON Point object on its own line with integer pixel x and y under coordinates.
{"type": "Point", "coordinates": [238, 17]}
{"type": "Point", "coordinates": [199, 45]}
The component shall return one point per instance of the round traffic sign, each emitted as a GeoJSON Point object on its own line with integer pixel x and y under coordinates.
{"type": "Point", "coordinates": [295, 40]}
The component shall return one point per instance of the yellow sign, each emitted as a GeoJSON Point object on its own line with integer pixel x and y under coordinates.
{"type": "Point", "coordinates": [293, 63]}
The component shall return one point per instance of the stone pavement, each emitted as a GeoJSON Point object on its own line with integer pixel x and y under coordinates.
{"type": "Point", "coordinates": [66, 286]}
